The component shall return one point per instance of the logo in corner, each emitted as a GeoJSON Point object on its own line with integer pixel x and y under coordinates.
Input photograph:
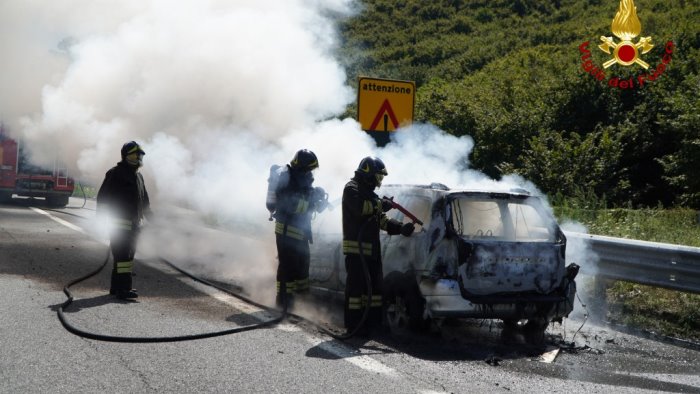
{"type": "Point", "coordinates": [626, 26]}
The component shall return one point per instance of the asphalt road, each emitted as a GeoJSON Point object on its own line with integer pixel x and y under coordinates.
{"type": "Point", "coordinates": [42, 250]}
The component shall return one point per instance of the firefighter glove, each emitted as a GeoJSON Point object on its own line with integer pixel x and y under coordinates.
{"type": "Point", "coordinates": [320, 198]}
{"type": "Point", "coordinates": [387, 204]}
{"type": "Point", "coordinates": [407, 229]}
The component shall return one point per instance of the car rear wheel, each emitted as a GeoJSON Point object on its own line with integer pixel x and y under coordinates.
{"type": "Point", "coordinates": [534, 329]}
{"type": "Point", "coordinates": [403, 304]}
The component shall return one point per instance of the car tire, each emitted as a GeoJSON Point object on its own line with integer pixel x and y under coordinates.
{"type": "Point", "coordinates": [404, 306]}
{"type": "Point", "coordinates": [534, 330]}
{"type": "Point", "coordinates": [511, 324]}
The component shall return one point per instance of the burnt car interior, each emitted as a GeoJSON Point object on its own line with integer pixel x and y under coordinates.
{"type": "Point", "coordinates": [512, 220]}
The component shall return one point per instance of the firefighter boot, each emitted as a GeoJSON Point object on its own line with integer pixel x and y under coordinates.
{"type": "Point", "coordinates": [126, 294]}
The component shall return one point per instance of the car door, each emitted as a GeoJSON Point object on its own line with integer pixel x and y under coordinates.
{"type": "Point", "coordinates": [401, 253]}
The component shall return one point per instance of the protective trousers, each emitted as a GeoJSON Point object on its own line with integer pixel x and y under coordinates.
{"type": "Point", "coordinates": [123, 245]}
{"type": "Point", "coordinates": [293, 268]}
{"type": "Point", "coordinates": [356, 292]}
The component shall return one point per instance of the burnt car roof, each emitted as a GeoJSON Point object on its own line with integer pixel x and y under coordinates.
{"type": "Point", "coordinates": [439, 188]}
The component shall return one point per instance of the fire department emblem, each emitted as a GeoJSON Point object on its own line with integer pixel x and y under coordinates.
{"type": "Point", "coordinates": [626, 26]}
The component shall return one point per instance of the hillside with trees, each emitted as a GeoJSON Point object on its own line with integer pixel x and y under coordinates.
{"type": "Point", "coordinates": [510, 74]}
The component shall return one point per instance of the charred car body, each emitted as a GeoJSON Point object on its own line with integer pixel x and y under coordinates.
{"type": "Point", "coordinates": [478, 254]}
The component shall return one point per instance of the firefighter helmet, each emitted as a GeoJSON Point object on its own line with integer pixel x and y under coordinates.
{"type": "Point", "coordinates": [131, 147]}
{"type": "Point", "coordinates": [304, 160]}
{"type": "Point", "coordinates": [372, 169]}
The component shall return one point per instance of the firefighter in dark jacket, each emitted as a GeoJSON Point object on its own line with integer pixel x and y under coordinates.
{"type": "Point", "coordinates": [296, 201]}
{"type": "Point", "coordinates": [124, 198]}
{"type": "Point", "coordinates": [363, 217]}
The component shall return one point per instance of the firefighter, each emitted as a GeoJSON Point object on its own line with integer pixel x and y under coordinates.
{"type": "Point", "coordinates": [295, 201]}
{"type": "Point", "coordinates": [124, 197]}
{"type": "Point", "coordinates": [363, 217]}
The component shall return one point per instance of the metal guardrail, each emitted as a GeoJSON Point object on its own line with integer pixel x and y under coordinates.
{"type": "Point", "coordinates": [657, 264]}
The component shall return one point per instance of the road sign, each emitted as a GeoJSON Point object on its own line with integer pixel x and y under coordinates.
{"type": "Point", "coordinates": [384, 104]}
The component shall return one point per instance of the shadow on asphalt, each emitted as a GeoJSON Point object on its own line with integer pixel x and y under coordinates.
{"type": "Point", "coordinates": [86, 303]}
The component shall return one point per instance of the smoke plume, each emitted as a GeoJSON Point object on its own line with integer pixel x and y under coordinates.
{"type": "Point", "coordinates": [215, 91]}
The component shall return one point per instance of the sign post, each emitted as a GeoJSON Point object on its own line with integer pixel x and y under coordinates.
{"type": "Point", "coordinates": [384, 105]}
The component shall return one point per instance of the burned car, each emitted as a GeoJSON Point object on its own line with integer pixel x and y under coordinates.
{"type": "Point", "coordinates": [477, 254]}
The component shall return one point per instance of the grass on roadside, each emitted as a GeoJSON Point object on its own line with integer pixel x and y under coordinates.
{"type": "Point", "coordinates": [667, 312]}
{"type": "Point", "coordinates": [84, 191]}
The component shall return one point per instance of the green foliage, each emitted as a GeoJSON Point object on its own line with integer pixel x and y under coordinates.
{"type": "Point", "coordinates": [81, 190]}
{"type": "Point", "coordinates": [675, 226]}
{"type": "Point", "coordinates": [509, 73]}
{"type": "Point", "coordinates": [591, 162]}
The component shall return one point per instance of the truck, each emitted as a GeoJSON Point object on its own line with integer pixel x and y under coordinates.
{"type": "Point", "coordinates": [18, 176]}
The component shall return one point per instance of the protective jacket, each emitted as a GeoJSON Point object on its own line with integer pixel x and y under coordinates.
{"type": "Point", "coordinates": [363, 217]}
{"type": "Point", "coordinates": [124, 192]}
{"type": "Point", "coordinates": [359, 204]}
{"type": "Point", "coordinates": [295, 203]}
{"type": "Point", "coordinates": [295, 207]}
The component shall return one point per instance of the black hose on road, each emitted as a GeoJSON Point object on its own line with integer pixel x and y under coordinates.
{"type": "Point", "coordinates": [283, 314]}
{"type": "Point", "coordinates": [110, 338]}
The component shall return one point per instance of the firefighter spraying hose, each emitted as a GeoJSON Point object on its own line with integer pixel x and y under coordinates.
{"type": "Point", "coordinates": [360, 204]}
{"type": "Point", "coordinates": [368, 280]}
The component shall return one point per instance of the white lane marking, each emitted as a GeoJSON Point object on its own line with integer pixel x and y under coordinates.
{"type": "Point", "coordinates": [549, 355]}
{"type": "Point", "coordinates": [353, 357]}
{"type": "Point", "coordinates": [338, 349]}
{"type": "Point", "coordinates": [333, 347]}
{"type": "Point", "coordinates": [59, 220]}
{"type": "Point", "coordinates": [678, 378]}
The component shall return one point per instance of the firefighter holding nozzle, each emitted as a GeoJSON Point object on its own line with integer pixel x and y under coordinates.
{"type": "Point", "coordinates": [363, 217]}
{"type": "Point", "coordinates": [292, 200]}
{"type": "Point", "coordinates": [123, 194]}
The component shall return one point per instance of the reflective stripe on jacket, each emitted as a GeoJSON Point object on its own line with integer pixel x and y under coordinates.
{"type": "Point", "coordinates": [293, 210]}
{"type": "Point", "coordinates": [362, 210]}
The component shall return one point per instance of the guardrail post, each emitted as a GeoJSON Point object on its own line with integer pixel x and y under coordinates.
{"type": "Point", "coordinates": [598, 305]}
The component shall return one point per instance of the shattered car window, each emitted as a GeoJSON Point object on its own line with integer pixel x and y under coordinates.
{"type": "Point", "coordinates": [530, 225]}
{"type": "Point", "coordinates": [417, 205]}
{"type": "Point", "coordinates": [500, 219]}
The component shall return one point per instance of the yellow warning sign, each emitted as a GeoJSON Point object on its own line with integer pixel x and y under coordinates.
{"type": "Point", "coordinates": [384, 104]}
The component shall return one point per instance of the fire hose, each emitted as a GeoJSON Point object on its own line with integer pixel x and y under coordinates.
{"type": "Point", "coordinates": [284, 313]}
{"type": "Point", "coordinates": [365, 269]}
{"type": "Point", "coordinates": [368, 283]}
{"type": "Point", "coordinates": [110, 338]}
{"type": "Point", "coordinates": [403, 210]}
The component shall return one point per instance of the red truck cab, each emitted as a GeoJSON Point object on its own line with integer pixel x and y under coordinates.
{"type": "Point", "coordinates": [19, 177]}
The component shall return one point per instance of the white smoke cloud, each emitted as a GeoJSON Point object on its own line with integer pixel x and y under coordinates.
{"type": "Point", "coordinates": [188, 69]}
{"type": "Point", "coordinates": [215, 91]}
